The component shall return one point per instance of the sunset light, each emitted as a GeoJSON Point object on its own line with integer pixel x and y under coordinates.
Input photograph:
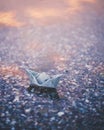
{"type": "Point", "coordinates": [9, 19]}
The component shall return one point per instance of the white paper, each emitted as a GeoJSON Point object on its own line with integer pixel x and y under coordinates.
{"type": "Point", "coordinates": [43, 79]}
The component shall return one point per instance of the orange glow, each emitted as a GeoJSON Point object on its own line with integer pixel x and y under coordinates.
{"type": "Point", "coordinates": [15, 73]}
{"type": "Point", "coordinates": [8, 19]}
{"type": "Point", "coordinates": [75, 5]}
{"type": "Point", "coordinates": [45, 15]}
{"type": "Point", "coordinates": [12, 70]}
{"type": "Point", "coordinates": [42, 13]}
{"type": "Point", "coordinates": [60, 61]}
{"type": "Point", "coordinates": [58, 58]}
{"type": "Point", "coordinates": [51, 14]}
{"type": "Point", "coordinates": [90, 1]}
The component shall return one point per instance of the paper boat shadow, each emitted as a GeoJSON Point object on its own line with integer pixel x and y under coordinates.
{"type": "Point", "coordinates": [44, 91]}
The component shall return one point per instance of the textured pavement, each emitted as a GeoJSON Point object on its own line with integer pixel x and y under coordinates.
{"type": "Point", "coordinates": [66, 37]}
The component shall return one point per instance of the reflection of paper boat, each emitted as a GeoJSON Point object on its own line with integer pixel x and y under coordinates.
{"type": "Point", "coordinates": [42, 79]}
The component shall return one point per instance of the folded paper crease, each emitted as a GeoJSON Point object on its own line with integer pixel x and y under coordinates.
{"type": "Point", "coordinates": [43, 79]}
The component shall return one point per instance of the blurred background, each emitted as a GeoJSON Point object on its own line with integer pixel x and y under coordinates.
{"type": "Point", "coordinates": [49, 34]}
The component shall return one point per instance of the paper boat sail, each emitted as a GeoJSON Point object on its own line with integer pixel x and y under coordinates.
{"type": "Point", "coordinates": [43, 79]}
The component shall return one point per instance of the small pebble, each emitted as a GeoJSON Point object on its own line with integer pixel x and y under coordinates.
{"type": "Point", "coordinates": [87, 101]}
{"type": "Point", "coordinates": [13, 122]}
{"type": "Point", "coordinates": [52, 119]}
{"type": "Point", "coordinates": [60, 114]}
{"type": "Point", "coordinates": [28, 110]}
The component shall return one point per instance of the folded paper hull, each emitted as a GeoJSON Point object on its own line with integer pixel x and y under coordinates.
{"type": "Point", "coordinates": [43, 79]}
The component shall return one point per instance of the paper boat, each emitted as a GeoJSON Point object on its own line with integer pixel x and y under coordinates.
{"type": "Point", "coordinates": [42, 79]}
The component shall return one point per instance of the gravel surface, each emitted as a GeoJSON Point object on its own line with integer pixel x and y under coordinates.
{"type": "Point", "coordinates": [72, 45]}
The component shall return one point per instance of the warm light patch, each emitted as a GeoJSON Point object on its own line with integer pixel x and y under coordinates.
{"type": "Point", "coordinates": [75, 5]}
{"type": "Point", "coordinates": [60, 61]}
{"type": "Point", "coordinates": [9, 71]}
{"type": "Point", "coordinates": [90, 1]}
{"type": "Point", "coordinates": [44, 13]}
{"type": "Point", "coordinates": [8, 19]}
{"type": "Point", "coordinates": [58, 58]}
{"type": "Point", "coordinates": [13, 73]}
{"type": "Point", "coordinates": [49, 13]}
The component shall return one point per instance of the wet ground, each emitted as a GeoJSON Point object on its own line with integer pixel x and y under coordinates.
{"type": "Point", "coordinates": [66, 37]}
